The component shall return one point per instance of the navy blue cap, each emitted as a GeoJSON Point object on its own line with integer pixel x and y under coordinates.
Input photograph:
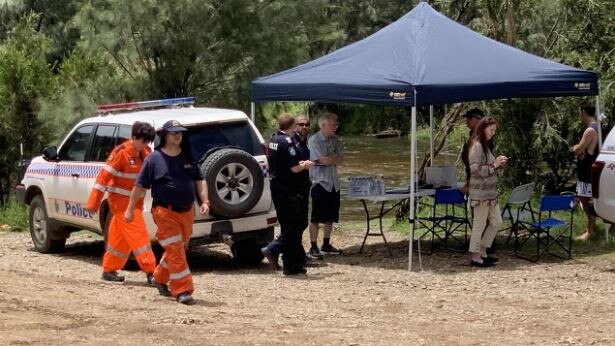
{"type": "Point", "coordinates": [172, 126]}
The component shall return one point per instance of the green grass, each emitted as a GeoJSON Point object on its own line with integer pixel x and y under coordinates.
{"type": "Point", "coordinates": [13, 217]}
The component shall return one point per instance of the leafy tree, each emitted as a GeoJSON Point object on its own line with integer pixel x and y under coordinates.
{"type": "Point", "coordinates": [25, 77]}
{"type": "Point", "coordinates": [209, 49]}
{"type": "Point", "coordinates": [68, 56]}
{"type": "Point", "coordinates": [10, 13]}
{"type": "Point", "coordinates": [350, 21]}
{"type": "Point", "coordinates": [83, 81]}
{"type": "Point", "coordinates": [54, 21]}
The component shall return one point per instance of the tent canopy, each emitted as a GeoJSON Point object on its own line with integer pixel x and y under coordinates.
{"type": "Point", "coordinates": [426, 52]}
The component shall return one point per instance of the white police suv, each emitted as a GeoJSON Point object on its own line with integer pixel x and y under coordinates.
{"type": "Point", "coordinates": [229, 149]}
{"type": "Point", "coordinates": [603, 180]}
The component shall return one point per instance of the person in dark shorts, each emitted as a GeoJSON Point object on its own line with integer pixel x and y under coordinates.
{"type": "Point", "coordinates": [586, 152]}
{"type": "Point", "coordinates": [326, 154]}
{"type": "Point", "coordinates": [174, 179]}
{"type": "Point", "coordinates": [288, 167]}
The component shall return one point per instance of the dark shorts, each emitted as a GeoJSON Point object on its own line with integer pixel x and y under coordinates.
{"type": "Point", "coordinates": [325, 205]}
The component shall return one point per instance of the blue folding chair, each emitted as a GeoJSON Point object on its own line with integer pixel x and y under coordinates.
{"type": "Point", "coordinates": [445, 225]}
{"type": "Point", "coordinates": [549, 231]}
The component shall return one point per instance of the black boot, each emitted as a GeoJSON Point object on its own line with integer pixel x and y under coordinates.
{"type": "Point", "coordinates": [112, 276]}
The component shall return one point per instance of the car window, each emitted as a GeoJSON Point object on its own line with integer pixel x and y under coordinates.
{"type": "Point", "coordinates": [76, 145]}
{"type": "Point", "coordinates": [239, 134]}
{"type": "Point", "coordinates": [125, 133]}
{"type": "Point", "coordinates": [103, 143]}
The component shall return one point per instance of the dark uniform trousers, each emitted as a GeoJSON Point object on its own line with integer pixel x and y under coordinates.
{"type": "Point", "coordinates": [291, 205]}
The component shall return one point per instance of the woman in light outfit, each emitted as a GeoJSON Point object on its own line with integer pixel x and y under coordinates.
{"type": "Point", "coordinates": [484, 171]}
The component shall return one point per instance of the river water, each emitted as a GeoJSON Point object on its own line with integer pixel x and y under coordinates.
{"type": "Point", "coordinates": [389, 157]}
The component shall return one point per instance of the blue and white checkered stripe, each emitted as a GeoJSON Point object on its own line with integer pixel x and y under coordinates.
{"type": "Point", "coordinates": [264, 169]}
{"type": "Point", "coordinates": [41, 168]}
{"type": "Point", "coordinates": [65, 170]}
{"type": "Point", "coordinates": [85, 171]}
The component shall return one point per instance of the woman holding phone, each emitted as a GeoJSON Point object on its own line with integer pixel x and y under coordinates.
{"type": "Point", "coordinates": [484, 171]}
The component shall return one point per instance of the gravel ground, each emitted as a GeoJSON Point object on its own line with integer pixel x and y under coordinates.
{"type": "Point", "coordinates": [353, 299]}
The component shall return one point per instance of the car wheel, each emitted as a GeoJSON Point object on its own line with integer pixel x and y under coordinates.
{"type": "Point", "coordinates": [41, 228]}
{"type": "Point", "coordinates": [234, 180]}
{"type": "Point", "coordinates": [247, 252]}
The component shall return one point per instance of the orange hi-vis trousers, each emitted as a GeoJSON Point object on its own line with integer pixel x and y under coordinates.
{"type": "Point", "coordinates": [124, 238]}
{"type": "Point", "coordinates": [174, 231]}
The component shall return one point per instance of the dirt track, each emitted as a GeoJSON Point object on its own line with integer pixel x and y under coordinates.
{"type": "Point", "coordinates": [354, 299]}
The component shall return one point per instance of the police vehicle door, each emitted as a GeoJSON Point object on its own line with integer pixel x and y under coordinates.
{"type": "Point", "coordinates": [77, 171]}
{"type": "Point", "coordinates": [69, 178]}
{"type": "Point", "coordinates": [106, 137]}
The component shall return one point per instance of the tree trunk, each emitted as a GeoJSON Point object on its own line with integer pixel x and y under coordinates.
{"type": "Point", "coordinates": [447, 125]}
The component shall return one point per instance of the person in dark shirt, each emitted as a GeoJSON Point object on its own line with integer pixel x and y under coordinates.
{"type": "Point", "coordinates": [586, 152]}
{"type": "Point", "coordinates": [289, 191]}
{"type": "Point", "coordinates": [174, 178]}
{"type": "Point", "coordinates": [300, 137]}
{"type": "Point", "coordinates": [299, 141]}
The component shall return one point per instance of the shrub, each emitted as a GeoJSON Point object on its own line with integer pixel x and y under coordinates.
{"type": "Point", "coordinates": [13, 217]}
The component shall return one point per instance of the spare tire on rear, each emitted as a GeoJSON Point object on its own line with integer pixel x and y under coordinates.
{"type": "Point", "coordinates": [235, 182]}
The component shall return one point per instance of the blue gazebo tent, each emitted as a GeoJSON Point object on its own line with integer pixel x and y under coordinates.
{"type": "Point", "coordinates": [424, 58]}
{"type": "Point", "coordinates": [432, 55]}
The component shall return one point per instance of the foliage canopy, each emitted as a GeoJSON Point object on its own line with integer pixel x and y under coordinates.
{"type": "Point", "coordinates": [59, 58]}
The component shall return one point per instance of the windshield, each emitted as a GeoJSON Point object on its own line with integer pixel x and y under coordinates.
{"type": "Point", "coordinates": [239, 135]}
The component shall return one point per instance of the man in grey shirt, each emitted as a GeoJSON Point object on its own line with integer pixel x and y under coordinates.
{"type": "Point", "coordinates": [326, 153]}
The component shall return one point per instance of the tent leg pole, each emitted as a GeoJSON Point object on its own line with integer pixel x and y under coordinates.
{"type": "Point", "coordinates": [253, 112]}
{"type": "Point", "coordinates": [431, 135]}
{"type": "Point", "coordinates": [599, 121]}
{"type": "Point", "coordinates": [413, 182]}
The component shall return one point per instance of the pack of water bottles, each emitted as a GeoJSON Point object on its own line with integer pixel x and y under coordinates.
{"type": "Point", "coordinates": [366, 185]}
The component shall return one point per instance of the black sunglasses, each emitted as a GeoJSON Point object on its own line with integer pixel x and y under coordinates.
{"type": "Point", "coordinates": [303, 124]}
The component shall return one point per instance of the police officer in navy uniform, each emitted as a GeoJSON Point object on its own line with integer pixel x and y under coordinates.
{"type": "Point", "coordinates": [300, 137]}
{"type": "Point", "coordinates": [288, 167]}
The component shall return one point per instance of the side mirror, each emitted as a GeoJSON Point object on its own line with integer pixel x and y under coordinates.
{"type": "Point", "coordinates": [50, 153]}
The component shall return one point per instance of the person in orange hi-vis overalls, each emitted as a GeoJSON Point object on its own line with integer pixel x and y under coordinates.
{"type": "Point", "coordinates": [117, 178]}
{"type": "Point", "coordinates": [174, 178]}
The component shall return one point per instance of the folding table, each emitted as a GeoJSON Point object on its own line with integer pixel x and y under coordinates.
{"type": "Point", "coordinates": [391, 196]}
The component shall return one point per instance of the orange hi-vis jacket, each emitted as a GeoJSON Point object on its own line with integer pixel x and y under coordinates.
{"type": "Point", "coordinates": [118, 177]}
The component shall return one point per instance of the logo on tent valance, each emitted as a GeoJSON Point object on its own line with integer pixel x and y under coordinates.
{"type": "Point", "coordinates": [583, 86]}
{"type": "Point", "coordinates": [397, 95]}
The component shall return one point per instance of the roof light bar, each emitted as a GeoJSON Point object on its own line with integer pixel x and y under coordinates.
{"type": "Point", "coordinates": [179, 101]}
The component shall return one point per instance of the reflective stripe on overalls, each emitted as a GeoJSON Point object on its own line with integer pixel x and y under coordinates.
{"type": "Point", "coordinates": [174, 230]}
{"type": "Point", "coordinates": [118, 179]}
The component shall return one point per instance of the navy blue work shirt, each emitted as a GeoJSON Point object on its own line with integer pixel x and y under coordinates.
{"type": "Point", "coordinates": [303, 153]}
{"type": "Point", "coordinates": [171, 179]}
{"type": "Point", "coordinates": [283, 154]}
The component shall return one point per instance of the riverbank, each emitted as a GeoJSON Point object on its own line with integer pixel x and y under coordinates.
{"type": "Point", "coordinates": [353, 299]}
